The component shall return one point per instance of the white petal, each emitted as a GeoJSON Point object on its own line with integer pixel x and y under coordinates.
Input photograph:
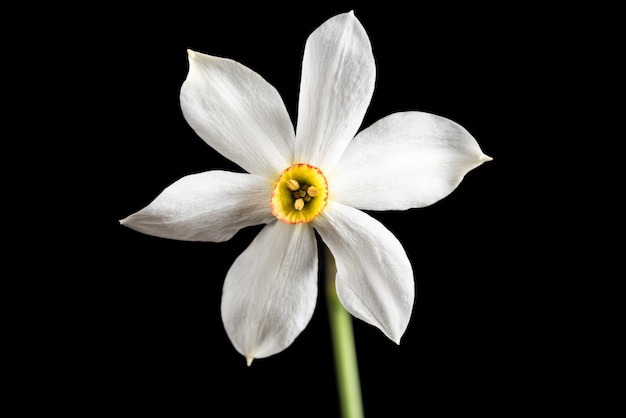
{"type": "Point", "coordinates": [209, 206]}
{"type": "Point", "coordinates": [271, 290]}
{"type": "Point", "coordinates": [405, 160]}
{"type": "Point", "coordinates": [374, 276]}
{"type": "Point", "coordinates": [238, 113]}
{"type": "Point", "coordinates": [338, 75]}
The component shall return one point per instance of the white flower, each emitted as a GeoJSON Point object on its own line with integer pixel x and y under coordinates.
{"type": "Point", "coordinates": [316, 178]}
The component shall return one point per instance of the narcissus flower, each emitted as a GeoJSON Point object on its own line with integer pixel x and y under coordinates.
{"type": "Point", "coordinates": [314, 178]}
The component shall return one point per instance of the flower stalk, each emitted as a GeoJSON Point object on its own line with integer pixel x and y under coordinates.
{"type": "Point", "coordinates": [346, 365]}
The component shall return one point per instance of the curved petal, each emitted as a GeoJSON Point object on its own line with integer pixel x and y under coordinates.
{"type": "Point", "coordinates": [374, 276]}
{"type": "Point", "coordinates": [405, 160]}
{"type": "Point", "coordinates": [271, 290]}
{"type": "Point", "coordinates": [238, 113]}
{"type": "Point", "coordinates": [338, 75]}
{"type": "Point", "coordinates": [209, 206]}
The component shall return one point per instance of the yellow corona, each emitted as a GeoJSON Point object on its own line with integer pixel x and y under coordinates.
{"type": "Point", "coordinates": [300, 194]}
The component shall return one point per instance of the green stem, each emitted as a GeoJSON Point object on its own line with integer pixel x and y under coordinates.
{"type": "Point", "coordinates": [343, 346]}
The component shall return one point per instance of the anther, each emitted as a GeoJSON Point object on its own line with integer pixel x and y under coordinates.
{"type": "Point", "coordinates": [293, 185]}
{"type": "Point", "coordinates": [312, 191]}
{"type": "Point", "coordinates": [298, 204]}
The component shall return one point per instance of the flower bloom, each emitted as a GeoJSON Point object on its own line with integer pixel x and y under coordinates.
{"type": "Point", "coordinates": [316, 177]}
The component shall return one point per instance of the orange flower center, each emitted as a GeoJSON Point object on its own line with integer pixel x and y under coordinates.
{"type": "Point", "coordinates": [300, 194]}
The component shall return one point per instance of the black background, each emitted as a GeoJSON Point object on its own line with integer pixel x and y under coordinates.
{"type": "Point", "coordinates": [134, 324]}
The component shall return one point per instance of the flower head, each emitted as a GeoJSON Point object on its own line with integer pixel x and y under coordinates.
{"type": "Point", "coordinates": [316, 177]}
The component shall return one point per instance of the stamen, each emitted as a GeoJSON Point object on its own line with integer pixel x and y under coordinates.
{"type": "Point", "coordinates": [299, 204]}
{"type": "Point", "coordinates": [293, 185]}
{"type": "Point", "coordinates": [313, 191]}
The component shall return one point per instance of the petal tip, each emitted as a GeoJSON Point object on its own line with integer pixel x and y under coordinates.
{"type": "Point", "coordinates": [191, 53]}
{"type": "Point", "coordinates": [485, 158]}
{"type": "Point", "coordinates": [249, 360]}
{"type": "Point", "coordinates": [350, 15]}
{"type": "Point", "coordinates": [395, 338]}
{"type": "Point", "coordinates": [131, 220]}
